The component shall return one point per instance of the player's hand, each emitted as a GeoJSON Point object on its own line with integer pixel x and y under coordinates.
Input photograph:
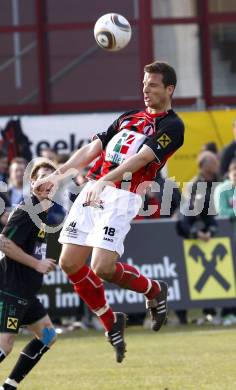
{"type": "Point", "coordinates": [46, 186]}
{"type": "Point", "coordinates": [94, 192]}
{"type": "Point", "coordinates": [44, 266]}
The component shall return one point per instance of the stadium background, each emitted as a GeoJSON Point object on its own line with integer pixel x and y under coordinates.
{"type": "Point", "coordinates": [50, 63]}
{"type": "Point", "coordinates": [64, 87]}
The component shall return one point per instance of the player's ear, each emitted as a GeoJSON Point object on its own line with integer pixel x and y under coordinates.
{"type": "Point", "coordinates": [170, 89]}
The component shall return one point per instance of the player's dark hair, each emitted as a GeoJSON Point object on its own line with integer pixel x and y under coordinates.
{"type": "Point", "coordinates": [36, 168]}
{"type": "Point", "coordinates": [168, 73]}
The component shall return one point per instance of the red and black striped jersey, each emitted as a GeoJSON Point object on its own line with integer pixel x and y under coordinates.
{"type": "Point", "coordinates": [163, 133]}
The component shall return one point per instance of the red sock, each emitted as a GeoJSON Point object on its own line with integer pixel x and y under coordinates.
{"type": "Point", "coordinates": [90, 288]}
{"type": "Point", "coordinates": [129, 277]}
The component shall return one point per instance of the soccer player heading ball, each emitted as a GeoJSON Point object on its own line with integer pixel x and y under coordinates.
{"type": "Point", "coordinates": [138, 143]}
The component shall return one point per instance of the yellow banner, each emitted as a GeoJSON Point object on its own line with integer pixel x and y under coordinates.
{"type": "Point", "coordinates": [200, 128]}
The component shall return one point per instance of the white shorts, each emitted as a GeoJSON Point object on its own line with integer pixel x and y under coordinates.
{"type": "Point", "coordinates": [102, 228]}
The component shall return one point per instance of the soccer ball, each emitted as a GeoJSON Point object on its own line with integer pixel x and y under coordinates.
{"type": "Point", "coordinates": [112, 32]}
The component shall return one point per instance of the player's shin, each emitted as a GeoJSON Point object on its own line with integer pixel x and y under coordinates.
{"type": "Point", "coordinates": [128, 277]}
{"type": "Point", "coordinates": [30, 356]}
{"type": "Point", "coordinates": [90, 288]}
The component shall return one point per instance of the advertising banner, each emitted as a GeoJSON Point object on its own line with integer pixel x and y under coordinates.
{"type": "Point", "coordinates": [66, 133]}
{"type": "Point", "coordinates": [199, 274]}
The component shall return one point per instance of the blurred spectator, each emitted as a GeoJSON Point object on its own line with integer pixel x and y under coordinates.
{"type": "Point", "coordinates": [200, 226]}
{"type": "Point", "coordinates": [50, 154]}
{"type": "Point", "coordinates": [14, 142]}
{"type": "Point", "coordinates": [225, 203]}
{"type": "Point", "coordinates": [169, 196]}
{"type": "Point", "coordinates": [151, 205]}
{"type": "Point", "coordinates": [3, 167]}
{"type": "Point", "coordinates": [16, 174]}
{"type": "Point", "coordinates": [163, 200]}
{"type": "Point", "coordinates": [210, 147]}
{"type": "Point", "coordinates": [4, 210]}
{"type": "Point", "coordinates": [14, 194]}
{"type": "Point", "coordinates": [228, 153]}
{"type": "Point", "coordinates": [225, 195]}
{"type": "Point", "coordinates": [59, 158]}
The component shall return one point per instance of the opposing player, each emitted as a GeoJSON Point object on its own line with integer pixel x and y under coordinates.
{"type": "Point", "coordinates": [21, 275]}
{"type": "Point", "coordinates": [138, 143]}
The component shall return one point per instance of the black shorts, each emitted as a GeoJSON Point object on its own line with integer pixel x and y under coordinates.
{"type": "Point", "coordinates": [16, 312]}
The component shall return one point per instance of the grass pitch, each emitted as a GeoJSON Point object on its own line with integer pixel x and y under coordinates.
{"type": "Point", "coordinates": [180, 358]}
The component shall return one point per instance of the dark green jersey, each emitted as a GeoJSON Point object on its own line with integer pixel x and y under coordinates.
{"type": "Point", "coordinates": [17, 278]}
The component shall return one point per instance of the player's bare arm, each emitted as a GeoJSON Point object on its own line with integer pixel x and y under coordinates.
{"type": "Point", "coordinates": [13, 251]}
{"type": "Point", "coordinates": [83, 157]}
{"type": "Point", "coordinates": [80, 159]}
{"type": "Point", "coordinates": [131, 165]}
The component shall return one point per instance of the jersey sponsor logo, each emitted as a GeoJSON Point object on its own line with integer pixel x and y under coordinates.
{"type": "Point", "coordinates": [42, 231]}
{"type": "Point", "coordinates": [40, 250]}
{"type": "Point", "coordinates": [164, 140]}
{"type": "Point", "coordinates": [210, 269]}
{"type": "Point", "coordinates": [124, 144]}
{"type": "Point", "coordinates": [12, 323]}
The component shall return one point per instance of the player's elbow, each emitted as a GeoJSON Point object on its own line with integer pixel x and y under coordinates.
{"type": "Point", "coordinates": [146, 155]}
{"type": "Point", "coordinates": [94, 148]}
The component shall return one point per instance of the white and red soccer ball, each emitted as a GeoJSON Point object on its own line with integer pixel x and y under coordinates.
{"type": "Point", "coordinates": [112, 32]}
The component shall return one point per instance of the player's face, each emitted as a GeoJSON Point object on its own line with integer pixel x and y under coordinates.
{"type": "Point", "coordinates": [157, 97]}
{"type": "Point", "coordinates": [42, 173]}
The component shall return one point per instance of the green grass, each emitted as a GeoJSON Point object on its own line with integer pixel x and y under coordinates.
{"type": "Point", "coordinates": [179, 358]}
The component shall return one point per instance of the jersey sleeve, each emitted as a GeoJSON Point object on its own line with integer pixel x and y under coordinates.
{"type": "Point", "coordinates": [166, 140]}
{"type": "Point", "coordinates": [106, 136]}
{"type": "Point", "coordinates": [18, 227]}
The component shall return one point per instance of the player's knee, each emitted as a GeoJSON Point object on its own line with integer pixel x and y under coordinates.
{"type": "Point", "coordinates": [63, 263]}
{"type": "Point", "coordinates": [6, 344]}
{"type": "Point", "coordinates": [7, 349]}
{"type": "Point", "coordinates": [67, 266]}
{"type": "Point", "coordinates": [48, 336]}
{"type": "Point", "coordinates": [103, 271]}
